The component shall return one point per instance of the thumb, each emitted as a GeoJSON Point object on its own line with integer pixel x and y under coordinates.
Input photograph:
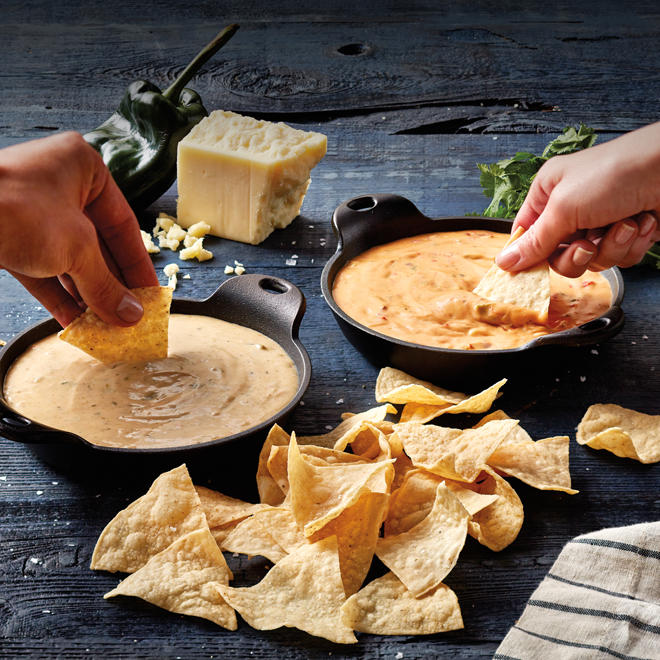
{"type": "Point", "coordinates": [102, 291]}
{"type": "Point", "coordinates": [541, 239]}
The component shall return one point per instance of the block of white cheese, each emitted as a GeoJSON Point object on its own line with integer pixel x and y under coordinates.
{"type": "Point", "coordinates": [244, 177]}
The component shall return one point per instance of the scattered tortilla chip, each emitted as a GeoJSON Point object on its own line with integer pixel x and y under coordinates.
{"type": "Point", "coordinates": [356, 529]}
{"type": "Point", "coordinates": [395, 386]}
{"type": "Point", "coordinates": [386, 607]}
{"type": "Point", "coordinates": [170, 509]}
{"type": "Point", "coordinates": [320, 493]}
{"type": "Point", "coordinates": [184, 578]}
{"type": "Point", "coordinates": [146, 340]}
{"type": "Point", "coordinates": [542, 464]}
{"type": "Point", "coordinates": [269, 490]}
{"type": "Point", "coordinates": [452, 453]}
{"type": "Point", "coordinates": [624, 432]}
{"type": "Point", "coordinates": [332, 439]}
{"type": "Point", "coordinates": [528, 289]}
{"type": "Point", "coordinates": [223, 510]}
{"type": "Point", "coordinates": [304, 590]}
{"type": "Point", "coordinates": [424, 555]}
{"type": "Point", "coordinates": [498, 525]}
{"type": "Point", "coordinates": [477, 403]}
{"type": "Point", "coordinates": [413, 501]}
{"type": "Point", "coordinates": [250, 537]}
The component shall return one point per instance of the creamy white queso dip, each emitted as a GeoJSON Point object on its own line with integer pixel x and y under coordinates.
{"type": "Point", "coordinates": [218, 379]}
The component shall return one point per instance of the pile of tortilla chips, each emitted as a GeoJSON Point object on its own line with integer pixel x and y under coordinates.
{"type": "Point", "coordinates": [408, 493]}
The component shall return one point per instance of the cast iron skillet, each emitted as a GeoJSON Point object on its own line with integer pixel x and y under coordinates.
{"type": "Point", "coordinates": [269, 305]}
{"type": "Point", "coordinates": [370, 220]}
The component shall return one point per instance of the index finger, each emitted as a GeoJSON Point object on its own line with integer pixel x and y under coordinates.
{"type": "Point", "coordinates": [117, 225]}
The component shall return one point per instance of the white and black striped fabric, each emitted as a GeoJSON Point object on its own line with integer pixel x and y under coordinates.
{"type": "Point", "coordinates": [601, 599]}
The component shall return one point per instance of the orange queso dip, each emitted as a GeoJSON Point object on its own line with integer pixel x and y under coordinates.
{"type": "Point", "coordinates": [218, 379]}
{"type": "Point", "coordinates": [419, 289]}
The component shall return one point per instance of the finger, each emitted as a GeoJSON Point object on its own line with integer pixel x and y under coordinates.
{"type": "Point", "coordinates": [117, 225]}
{"type": "Point", "coordinates": [616, 243]}
{"type": "Point", "coordinates": [574, 259]}
{"type": "Point", "coordinates": [645, 239]}
{"type": "Point", "coordinates": [52, 295]}
{"type": "Point", "coordinates": [538, 242]}
{"type": "Point", "coordinates": [98, 287]}
{"type": "Point", "coordinates": [70, 286]}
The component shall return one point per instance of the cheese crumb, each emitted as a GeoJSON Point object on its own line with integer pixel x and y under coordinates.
{"type": "Point", "coordinates": [229, 270]}
{"type": "Point", "coordinates": [199, 229]}
{"type": "Point", "coordinates": [196, 251]}
{"type": "Point", "coordinates": [189, 241]}
{"type": "Point", "coordinates": [171, 244]}
{"type": "Point", "coordinates": [176, 232]}
{"type": "Point", "coordinates": [149, 245]}
{"type": "Point", "coordinates": [163, 224]}
{"type": "Point", "coordinates": [170, 271]}
{"type": "Point", "coordinates": [239, 270]}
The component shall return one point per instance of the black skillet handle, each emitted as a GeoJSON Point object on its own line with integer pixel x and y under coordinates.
{"type": "Point", "coordinates": [587, 334]}
{"type": "Point", "coordinates": [261, 301]}
{"type": "Point", "coordinates": [355, 220]}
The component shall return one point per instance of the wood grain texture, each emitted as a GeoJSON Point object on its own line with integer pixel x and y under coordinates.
{"type": "Point", "coordinates": [403, 113]}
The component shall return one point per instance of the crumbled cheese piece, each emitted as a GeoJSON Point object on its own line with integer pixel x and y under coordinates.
{"type": "Point", "coordinates": [170, 271]}
{"type": "Point", "coordinates": [290, 262]}
{"type": "Point", "coordinates": [186, 276]}
{"type": "Point", "coordinates": [196, 251]}
{"type": "Point", "coordinates": [199, 229]}
{"type": "Point", "coordinates": [237, 263]}
{"type": "Point", "coordinates": [239, 270]}
{"type": "Point", "coordinates": [189, 241]}
{"type": "Point", "coordinates": [229, 270]}
{"type": "Point", "coordinates": [163, 223]}
{"type": "Point", "coordinates": [149, 245]}
{"type": "Point", "coordinates": [165, 242]}
{"type": "Point", "coordinates": [176, 232]}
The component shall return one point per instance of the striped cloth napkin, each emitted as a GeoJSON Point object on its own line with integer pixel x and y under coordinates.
{"type": "Point", "coordinates": [601, 599]}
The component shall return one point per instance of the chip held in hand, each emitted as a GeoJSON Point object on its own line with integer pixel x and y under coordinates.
{"type": "Point", "coordinates": [146, 340]}
{"type": "Point", "coordinates": [528, 289]}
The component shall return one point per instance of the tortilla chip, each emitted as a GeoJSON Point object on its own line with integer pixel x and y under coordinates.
{"type": "Point", "coordinates": [624, 432]}
{"type": "Point", "coordinates": [413, 501]}
{"type": "Point", "coordinates": [452, 453]}
{"type": "Point", "coordinates": [250, 537]}
{"type": "Point", "coordinates": [282, 526]}
{"type": "Point", "coordinates": [170, 509]}
{"type": "Point", "coordinates": [184, 578]}
{"type": "Point", "coordinates": [146, 340]}
{"type": "Point", "coordinates": [319, 493]}
{"type": "Point", "coordinates": [542, 464]}
{"type": "Point", "coordinates": [304, 590]}
{"type": "Point", "coordinates": [223, 510]}
{"type": "Point", "coordinates": [477, 403]}
{"type": "Point", "coordinates": [356, 529]}
{"type": "Point", "coordinates": [395, 386]}
{"type": "Point", "coordinates": [424, 555]}
{"type": "Point", "coordinates": [269, 490]}
{"type": "Point", "coordinates": [333, 438]}
{"type": "Point", "coordinates": [498, 525]}
{"type": "Point", "coordinates": [528, 289]}
{"type": "Point", "coordinates": [386, 607]}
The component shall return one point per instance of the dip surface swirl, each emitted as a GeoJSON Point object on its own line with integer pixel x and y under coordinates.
{"type": "Point", "coordinates": [419, 289]}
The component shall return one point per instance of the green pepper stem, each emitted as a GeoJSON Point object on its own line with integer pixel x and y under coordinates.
{"type": "Point", "coordinates": [173, 91]}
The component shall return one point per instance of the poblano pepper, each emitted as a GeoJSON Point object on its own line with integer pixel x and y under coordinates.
{"type": "Point", "coordinates": [139, 141]}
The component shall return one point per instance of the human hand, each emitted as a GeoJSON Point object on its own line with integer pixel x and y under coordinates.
{"type": "Point", "coordinates": [592, 209]}
{"type": "Point", "coordinates": [68, 234]}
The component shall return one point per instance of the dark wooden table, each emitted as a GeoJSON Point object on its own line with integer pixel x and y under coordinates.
{"type": "Point", "coordinates": [411, 95]}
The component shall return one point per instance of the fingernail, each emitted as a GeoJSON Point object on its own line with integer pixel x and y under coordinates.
{"type": "Point", "coordinates": [508, 258]}
{"type": "Point", "coordinates": [647, 225]}
{"type": "Point", "coordinates": [581, 256]}
{"type": "Point", "coordinates": [624, 233]}
{"type": "Point", "coordinates": [129, 309]}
